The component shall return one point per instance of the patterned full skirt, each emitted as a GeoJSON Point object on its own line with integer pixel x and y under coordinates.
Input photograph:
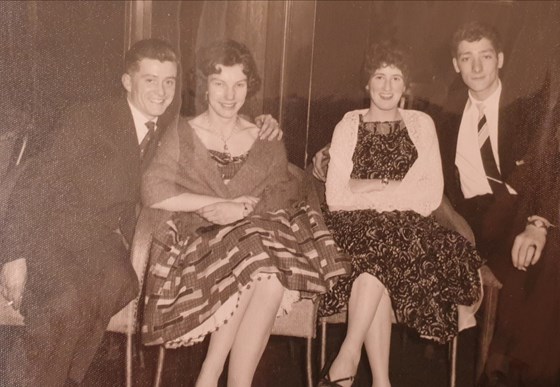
{"type": "Point", "coordinates": [426, 268]}
{"type": "Point", "coordinates": [191, 277]}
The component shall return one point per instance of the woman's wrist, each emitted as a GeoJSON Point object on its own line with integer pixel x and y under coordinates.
{"type": "Point", "coordinates": [245, 210]}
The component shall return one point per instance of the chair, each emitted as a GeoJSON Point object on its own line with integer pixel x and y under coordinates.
{"type": "Point", "coordinates": [300, 322]}
{"type": "Point", "coordinates": [12, 147]}
{"type": "Point", "coordinates": [447, 217]}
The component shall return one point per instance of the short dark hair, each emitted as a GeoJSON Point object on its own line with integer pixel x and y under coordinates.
{"type": "Point", "coordinates": [385, 53]}
{"type": "Point", "coordinates": [473, 31]}
{"type": "Point", "coordinates": [226, 53]}
{"type": "Point", "coordinates": [148, 48]}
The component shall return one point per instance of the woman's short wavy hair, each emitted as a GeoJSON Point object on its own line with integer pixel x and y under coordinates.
{"type": "Point", "coordinates": [386, 53]}
{"type": "Point", "coordinates": [226, 53]}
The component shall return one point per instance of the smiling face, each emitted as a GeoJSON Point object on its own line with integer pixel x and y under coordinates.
{"type": "Point", "coordinates": [386, 86]}
{"type": "Point", "coordinates": [151, 87]}
{"type": "Point", "coordinates": [227, 90]}
{"type": "Point", "coordinates": [479, 64]}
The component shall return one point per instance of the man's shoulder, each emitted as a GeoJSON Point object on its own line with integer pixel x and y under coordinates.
{"type": "Point", "coordinates": [102, 108]}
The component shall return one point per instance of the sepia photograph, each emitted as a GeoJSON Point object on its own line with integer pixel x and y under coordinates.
{"type": "Point", "coordinates": [281, 193]}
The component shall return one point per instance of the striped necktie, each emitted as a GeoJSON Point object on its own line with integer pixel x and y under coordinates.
{"type": "Point", "coordinates": [151, 125]}
{"type": "Point", "coordinates": [488, 161]}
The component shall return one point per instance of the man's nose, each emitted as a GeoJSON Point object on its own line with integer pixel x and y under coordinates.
{"type": "Point", "coordinates": [477, 65]}
{"type": "Point", "coordinates": [160, 88]}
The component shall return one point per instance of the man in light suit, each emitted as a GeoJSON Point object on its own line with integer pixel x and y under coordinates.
{"type": "Point", "coordinates": [71, 219]}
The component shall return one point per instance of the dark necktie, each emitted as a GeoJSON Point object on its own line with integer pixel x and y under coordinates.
{"type": "Point", "coordinates": [147, 138]}
{"type": "Point", "coordinates": [488, 161]}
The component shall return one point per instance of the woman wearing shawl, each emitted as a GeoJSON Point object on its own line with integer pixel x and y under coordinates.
{"type": "Point", "coordinates": [241, 245]}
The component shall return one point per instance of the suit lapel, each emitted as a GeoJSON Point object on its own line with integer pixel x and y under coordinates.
{"type": "Point", "coordinates": [121, 134]}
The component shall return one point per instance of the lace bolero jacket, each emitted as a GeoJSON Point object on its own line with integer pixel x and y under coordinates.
{"type": "Point", "coordinates": [421, 189]}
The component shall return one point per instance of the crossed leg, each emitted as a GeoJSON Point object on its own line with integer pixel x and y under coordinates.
{"type": "Point", "coordinates": [369, 322]}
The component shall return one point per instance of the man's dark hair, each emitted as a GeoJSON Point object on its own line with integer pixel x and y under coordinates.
{"type": "Point", "coordinates": [226, 53]}
{"type": "Point", "coordinates": [148, 48]}
{"type": "Point", "coordinates": [473, 31]}
{"type": "Point", "coordinates": [386, 53]}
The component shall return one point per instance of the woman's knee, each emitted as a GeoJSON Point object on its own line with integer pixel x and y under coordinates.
{"type": "Point", "coordinates": [366, 282]}
{"type": "Point", "coordinates": [271, 287]}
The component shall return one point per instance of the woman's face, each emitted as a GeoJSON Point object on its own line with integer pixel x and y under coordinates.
{"type": "Point", "coordinates": [227, 90]}
{"type": "Point", "coordinates": [386, 87]}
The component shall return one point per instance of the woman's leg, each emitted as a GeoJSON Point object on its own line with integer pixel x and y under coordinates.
{"type": "Point", "coordinates": [366, 293]}
{"type": "Point", "coordinates": [378, 343]}
{"type": "Point", "coordinates": [221, 342]}
{"type": "Point", "coordinates": [254, 331]}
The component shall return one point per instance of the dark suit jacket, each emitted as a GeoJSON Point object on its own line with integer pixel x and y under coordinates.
{"type": "Point", "coordinates": [518, 121]}
{"type": "Point", "coordinates": [74, 195]}
{"type": "Point", "coordinates": [490, 219]}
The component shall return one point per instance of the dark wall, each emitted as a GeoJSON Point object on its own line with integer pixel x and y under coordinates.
{"type": "Point", "coordinates": [59, 53]}
{"type": "Point", "coordinates": [344, 29]}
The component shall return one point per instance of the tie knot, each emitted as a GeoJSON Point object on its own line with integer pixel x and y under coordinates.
{"type": "Point", "coordinates": [151, 125]}
{"type": "Point", "coordinates": [480, 107]}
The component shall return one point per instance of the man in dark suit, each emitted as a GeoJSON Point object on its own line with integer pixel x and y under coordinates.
{"type": "Point", "coordinates": [484, 136]}
{"type": "Point", "coordinates": [71, 219]}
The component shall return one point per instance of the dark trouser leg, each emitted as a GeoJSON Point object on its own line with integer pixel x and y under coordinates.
{"type": "Point", "coordinates": [120, 285]}
{"type": "Point", "coordinates": [67, 309]}
{"type": "Point", "coordinates": [42, 355]}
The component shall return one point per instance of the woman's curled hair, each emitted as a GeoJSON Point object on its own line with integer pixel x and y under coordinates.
{"type": "Point", "coordinates": [226, 53]}
{"type": "Point", "coordinates": [386, 53]}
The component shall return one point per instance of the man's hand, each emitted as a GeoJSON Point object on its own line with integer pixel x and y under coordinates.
{"type": "Point", "coordinates": [321, 163]}
{"type": "Point", "coordinates": [268, 128]}
{"type": "Point", "coordinates": [13, 277]}
{"type": "Point", "coordinates": [527, 247]}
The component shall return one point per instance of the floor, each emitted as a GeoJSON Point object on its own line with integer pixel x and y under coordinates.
{"type": "Point", "coordinates": [414, 361]}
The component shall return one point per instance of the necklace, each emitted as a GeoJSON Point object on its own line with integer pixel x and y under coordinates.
{"type": "Point", "coordinates": [220, 135]}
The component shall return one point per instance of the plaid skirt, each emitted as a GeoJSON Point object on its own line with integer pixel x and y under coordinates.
{"type": "Point", "coordinates": [191, 277]}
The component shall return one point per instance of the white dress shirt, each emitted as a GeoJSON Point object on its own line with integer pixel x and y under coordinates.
{"type": "Point", "coordinates": [139, 122]}
{"type": "Point", "coordinates": [468, 158]}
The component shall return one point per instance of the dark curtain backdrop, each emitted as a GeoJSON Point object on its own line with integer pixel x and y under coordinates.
{"type": "Point", "coordinates": [57, 53]}
{"type": "Point", "coordinates": [309, 53]}
{"type": "Point", "coordinates": [530, 30]}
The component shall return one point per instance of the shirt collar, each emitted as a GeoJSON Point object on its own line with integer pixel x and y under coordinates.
{"type": "Point", "coordinates": [492, 102]}
{"type": "Point", "coordinates": [139, 118]}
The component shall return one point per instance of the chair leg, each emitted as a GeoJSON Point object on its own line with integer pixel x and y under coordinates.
{"type": "Point", "coordinates": [453, 362]}
{"type": "Point", "coordinates": [309, 360]}
{"type": "Point", "coordinates": [159, 370]}
{"type": "Point", "coordinates": [129, 360]}
{"type": "Point", "coordinates": [490, 305]}
{"type": "Point", "coordinates": [323, 343]}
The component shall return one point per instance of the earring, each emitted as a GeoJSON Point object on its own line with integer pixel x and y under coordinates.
{"type": "Point", "coordinates": [206, 96]}
{"type": "Point", "coordinates": [367, 87]}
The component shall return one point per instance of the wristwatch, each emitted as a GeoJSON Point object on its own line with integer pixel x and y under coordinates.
{"type": "Point", "coordinates": [537, 222]}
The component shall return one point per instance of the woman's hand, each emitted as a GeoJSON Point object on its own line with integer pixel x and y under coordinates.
{"type": "Point", "coordinates": [253, 200]}
{"type": "Point", "coordinates": [228, 212]}
{"type": "Point", "coordinates": [321, 163]}
{"type": "Point", "coordinates": [527, 247]}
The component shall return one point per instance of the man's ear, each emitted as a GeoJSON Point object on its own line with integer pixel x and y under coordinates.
{"type": "Point", "coordinates": [500, 59]}
{"type": "Point", "coordinates": [127, 82]}
{"type": "Point", "coordinates": [456, 66]}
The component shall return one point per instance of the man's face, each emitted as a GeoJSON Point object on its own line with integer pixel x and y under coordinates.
{"type": "Point", "coordinates": [151, 88]}
{"type": "Point", "coordinates": [479, 64]}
